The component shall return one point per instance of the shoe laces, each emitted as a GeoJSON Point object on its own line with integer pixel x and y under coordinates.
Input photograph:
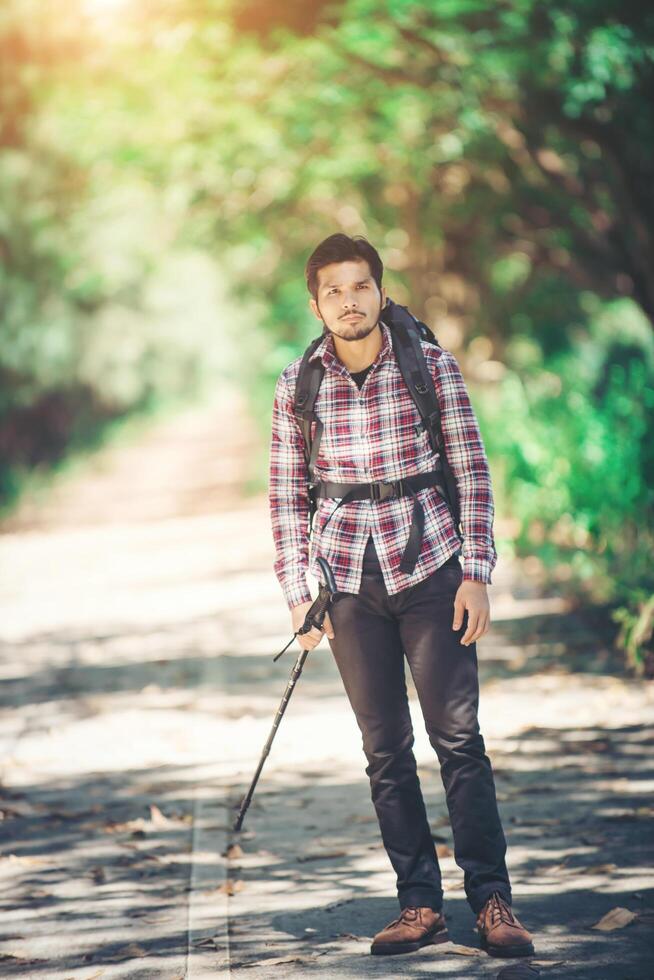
{"type": "Point", "coordinates": [500, 910]}
{"type": "Point", "coordinates": [403, 916]}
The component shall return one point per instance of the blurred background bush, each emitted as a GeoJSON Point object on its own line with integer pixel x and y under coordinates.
{"type": "Point", "coordinates": [166, 167]}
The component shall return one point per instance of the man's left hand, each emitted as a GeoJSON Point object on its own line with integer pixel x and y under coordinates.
{"type": "Point", "coordinates": [473, 597]}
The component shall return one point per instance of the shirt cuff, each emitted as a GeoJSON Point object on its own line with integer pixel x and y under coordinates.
{"type": "Point", "coordinates": [477, 569]}
{"type": "Point", "coordinates": [297, 593]}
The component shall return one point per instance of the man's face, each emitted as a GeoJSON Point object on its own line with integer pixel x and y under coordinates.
{"type": "Point", "coordinates": [349, 301]}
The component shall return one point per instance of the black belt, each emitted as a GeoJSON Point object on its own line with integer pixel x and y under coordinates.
{"type": "Point", "coordinates": [385, 490]}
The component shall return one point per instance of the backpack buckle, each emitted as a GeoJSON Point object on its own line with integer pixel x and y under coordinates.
{"type": "Point", "coordinates": [384, 489]}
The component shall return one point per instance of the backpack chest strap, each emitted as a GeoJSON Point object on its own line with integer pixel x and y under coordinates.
{"type": "Point", "coordinates": [381, 489]}
{"type": "Point", "coordinates": [384, 490]}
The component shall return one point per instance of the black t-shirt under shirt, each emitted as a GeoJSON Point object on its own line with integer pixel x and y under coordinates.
{"type": "Point", "coordinates": [360, 376]}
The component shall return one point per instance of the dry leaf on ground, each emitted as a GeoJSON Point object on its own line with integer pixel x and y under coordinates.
{"type": "Point", "coordinates": [112, 827]}
{"type": "Point", "coordinates": [158, 819]}
{"type": "Point", "coordinates": [139, 826]}
{"type": "Point", "coordinates": [229, 887]}
{"type": "Point", "coordinates": [213, 942]}
{"type": "Point", "coordinates": [280, 960]}
{"type": "Point", "coordinates": [617, 918]}
{"type": "Point", "coordinates": [131, 951]}
{"type": "Point", "coordinates": [26, 859]}
{"type": "Point", "coordinates": [460, 950]}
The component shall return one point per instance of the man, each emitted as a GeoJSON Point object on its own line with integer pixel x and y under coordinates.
{"type": "Point", "coordinates": [433, 615]}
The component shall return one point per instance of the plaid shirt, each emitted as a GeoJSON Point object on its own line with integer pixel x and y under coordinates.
{"type": "Point", "coordinates": [370, 435]}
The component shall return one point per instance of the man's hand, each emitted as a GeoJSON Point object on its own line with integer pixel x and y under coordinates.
{"type": "Point", "coordinates": [473, 597]}
{"type": "Point", "coordinates": [311, 639]}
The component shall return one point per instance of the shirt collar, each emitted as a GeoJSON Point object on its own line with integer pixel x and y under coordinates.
{"type": "Point", "coordinates": [325, 349]}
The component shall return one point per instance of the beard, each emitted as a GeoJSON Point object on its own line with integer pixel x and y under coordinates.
{"type": "Point", "coordinates": [358, 330]}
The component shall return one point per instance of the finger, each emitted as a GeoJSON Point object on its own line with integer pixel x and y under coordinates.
{"type": "Point", "coordinates": [309, 640]}
{"type": "Point", "coordinates": [484, 626]}
{"type": "Point", "coordinates": [329, 629]}
{"type": "Point", "coordinates": [459, 609]}
{"type": "Point", "coordinates": [481, 628]}
{"type": "Point", "coordinates": [473, 619]}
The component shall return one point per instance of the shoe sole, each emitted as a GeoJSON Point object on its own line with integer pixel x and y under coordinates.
{"type": "Point", "coordinates": [524, 949]}
{"type": "Point", "coordinates": [429, 939]}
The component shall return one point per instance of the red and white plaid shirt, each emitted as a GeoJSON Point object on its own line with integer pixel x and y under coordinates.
{"type": "Point", "coordinates": [370, 435]}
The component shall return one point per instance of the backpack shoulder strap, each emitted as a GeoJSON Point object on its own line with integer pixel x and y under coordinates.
{"type": "Point", "coordinates": [407, 333]}
{"type": "Point", "coordinates": [307, 385]}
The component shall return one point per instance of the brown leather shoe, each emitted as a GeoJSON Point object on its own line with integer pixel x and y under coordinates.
{"type": "Point", "coordinates": [501, 933]}
{"type": "Point", "coordinates": [414, 928]}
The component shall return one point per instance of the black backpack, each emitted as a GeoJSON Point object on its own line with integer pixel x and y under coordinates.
{"type": "Point", "coordinates": [406, 333]}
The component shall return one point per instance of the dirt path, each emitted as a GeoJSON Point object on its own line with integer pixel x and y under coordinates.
{"type": "Point", "coordinates": [140, 615]}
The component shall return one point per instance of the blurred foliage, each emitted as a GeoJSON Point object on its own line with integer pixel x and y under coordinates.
{"type": "Point", "coordinates": [500, 156]}
{"type": "Point", "coordinates": [571, 436]}
{"type": "Point", "coordinates": [105, 311]}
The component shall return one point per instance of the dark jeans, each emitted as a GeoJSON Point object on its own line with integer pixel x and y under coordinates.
{"type": "Point", "coordinates": [373, 631]}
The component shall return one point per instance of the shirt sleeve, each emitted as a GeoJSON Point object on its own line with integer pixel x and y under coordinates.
{"type": "Point", "coordinates": [288, 498]}
{"type": "Point", "coordinates": [467, 458]}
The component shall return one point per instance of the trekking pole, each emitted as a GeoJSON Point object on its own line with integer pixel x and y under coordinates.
{"type": "Point", "coordinates": [314, 617]}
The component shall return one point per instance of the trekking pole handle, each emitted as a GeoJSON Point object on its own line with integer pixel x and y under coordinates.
{"type": "Point", "coordinates": [317, 611]}
{"type": "Point", "coordinates": [315, 617]}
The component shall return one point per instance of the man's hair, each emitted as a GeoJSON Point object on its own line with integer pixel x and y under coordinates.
{"type": "Point", "coordinates": [342, 248]}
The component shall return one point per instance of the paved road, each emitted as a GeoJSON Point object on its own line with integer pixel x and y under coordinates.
{"type": "Point", "coordinates": [140, 615]}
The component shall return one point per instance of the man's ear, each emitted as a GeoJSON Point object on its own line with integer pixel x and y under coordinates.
{"type": "Point", "coordinates": [313, 306]}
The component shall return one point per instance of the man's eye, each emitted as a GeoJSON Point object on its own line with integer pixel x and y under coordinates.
{"type": "Point", "coordinates": [364, 285]}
